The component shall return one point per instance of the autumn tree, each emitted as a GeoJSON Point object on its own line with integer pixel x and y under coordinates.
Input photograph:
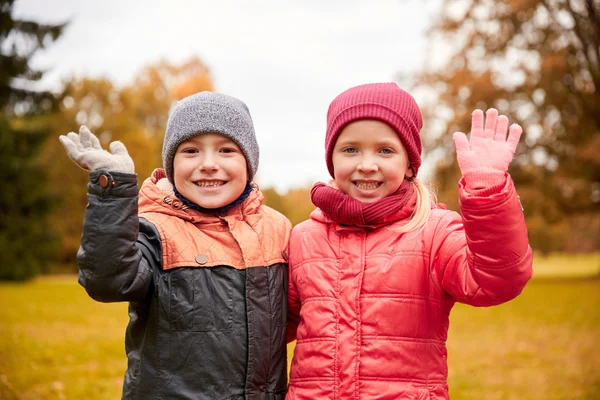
{"type": "Point", "coordinates": [27, 242]}
{"type": "Point", "coordinates": [537, 61]}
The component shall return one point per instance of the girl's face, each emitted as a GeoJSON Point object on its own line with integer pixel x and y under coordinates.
{"type": "Point", "coordinates": [210, 170]}
{"type": "Point", "coordinates": [369, 161]}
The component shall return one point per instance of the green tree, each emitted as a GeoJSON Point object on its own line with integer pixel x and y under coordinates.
{"type": "Point", "coordinates": [27, 242]}
{"type": "Point", "coordinates": [538, 61]}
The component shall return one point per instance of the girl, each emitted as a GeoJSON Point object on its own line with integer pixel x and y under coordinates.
{"type": "Point", "coordinates": [378, 267]}
{"type": "Point", "coordinates": [198, 257]}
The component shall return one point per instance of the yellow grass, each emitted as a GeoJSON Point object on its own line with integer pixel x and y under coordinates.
{"type": "Point", "coordinates": [57, 343]}
{"type": "Point", "coordinates": [566, 265]}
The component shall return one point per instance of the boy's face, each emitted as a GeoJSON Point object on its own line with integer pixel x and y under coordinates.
{"type": "Point", "coordinates": [369, 161]}
{"type": "Point", "coordinates": [210, 170]}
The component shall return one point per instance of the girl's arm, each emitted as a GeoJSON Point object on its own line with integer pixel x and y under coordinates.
{"type": "Point", "coordinates": [293, 317]}
{"type": "Point", "coordinates": [484, 258]}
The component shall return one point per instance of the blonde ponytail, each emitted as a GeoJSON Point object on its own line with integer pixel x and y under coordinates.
{"type": "Point", "coordinates": [426, 198]}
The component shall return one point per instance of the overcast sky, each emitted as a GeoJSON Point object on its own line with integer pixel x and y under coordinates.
{"type": "Point", "coordinates": [287, 59]}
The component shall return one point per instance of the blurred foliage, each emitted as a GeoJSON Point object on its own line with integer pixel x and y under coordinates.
{"type": "Point", "coordinates": [538, 62]}
{"type": "Point", "coordinates": [27, 239]}
{"type": "Point", "coordinates": [294, 204]}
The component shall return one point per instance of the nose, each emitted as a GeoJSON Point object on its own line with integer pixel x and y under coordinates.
{"type": "Point", "coordinates": [367, 165]}
{"type": "Point", "coordinates": [208, 163]}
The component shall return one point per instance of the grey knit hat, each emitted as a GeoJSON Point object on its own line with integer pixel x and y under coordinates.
{"type": "Point", "coordinates": [206, 112]}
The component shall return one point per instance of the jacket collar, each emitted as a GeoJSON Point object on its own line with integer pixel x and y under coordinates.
{"type": "Point", "coordinates": [156, 195]}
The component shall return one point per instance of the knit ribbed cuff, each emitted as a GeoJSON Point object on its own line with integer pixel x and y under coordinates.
{"type": "Point", "coordinates": [484, 183]}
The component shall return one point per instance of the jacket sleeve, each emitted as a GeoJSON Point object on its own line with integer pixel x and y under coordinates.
{"type": "Point", "coordinates": [483, 258]}
{"type": "Point", "coordinates": [293, 318]}
{"type": "Point", "coordinates": [118, 250]}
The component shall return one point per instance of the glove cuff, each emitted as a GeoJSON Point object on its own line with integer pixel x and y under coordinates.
{"type": "Point", "coordinates": [484, 182]}
{"type": "Point", "coordinates": [124, 166]}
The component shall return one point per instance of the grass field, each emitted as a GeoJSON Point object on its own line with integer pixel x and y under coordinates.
{"type": "Point", "coordinates": [56, 343]}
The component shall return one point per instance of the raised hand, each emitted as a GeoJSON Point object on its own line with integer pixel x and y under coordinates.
{"type": "Point", "coordinates": [489, 148]}
{"type": "Point", "coordinates": [85, 150]}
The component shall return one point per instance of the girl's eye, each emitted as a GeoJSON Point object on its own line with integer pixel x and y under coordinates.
{"type": "Point", "coordinates": [386, 151]}
{"type": "Point", "coordinates": [350, 150]}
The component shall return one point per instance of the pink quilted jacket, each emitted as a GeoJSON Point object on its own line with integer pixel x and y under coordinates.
{"type": "Point", "coordinates": [369, 307]}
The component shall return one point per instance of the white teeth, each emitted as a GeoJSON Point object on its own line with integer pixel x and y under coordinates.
{"type": "Point", "coordinates": [367, 185]}
{"type": "Point", "coordinates": [210, 183]}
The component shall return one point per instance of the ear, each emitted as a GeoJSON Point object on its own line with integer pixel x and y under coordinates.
{"type": "Point", "coordinates": [409, 173]}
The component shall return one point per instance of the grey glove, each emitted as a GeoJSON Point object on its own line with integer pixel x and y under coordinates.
{"type": "Point", "coordinates": [85, 150]}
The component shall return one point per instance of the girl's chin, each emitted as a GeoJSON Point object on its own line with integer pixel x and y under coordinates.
{"type": "Point", "coordinates": [369, 200]}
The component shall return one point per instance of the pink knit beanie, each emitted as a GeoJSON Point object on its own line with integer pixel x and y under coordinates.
{"type": "Point", "coordinates": [385, 102]}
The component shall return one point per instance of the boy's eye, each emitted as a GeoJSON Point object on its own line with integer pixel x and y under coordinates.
{"type": "Point", "coordinates": [227, 150]}
{"type": "Point", "coordinates": [189, 150]}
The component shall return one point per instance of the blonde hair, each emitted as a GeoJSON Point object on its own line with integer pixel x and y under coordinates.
{"type": "Point", "coordinates": [426, 198]}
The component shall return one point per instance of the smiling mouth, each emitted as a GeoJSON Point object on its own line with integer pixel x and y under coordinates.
{"type": "Point", "coordinates": [367, 185]}
{"type": "Point", "coordinates": [210, 184]}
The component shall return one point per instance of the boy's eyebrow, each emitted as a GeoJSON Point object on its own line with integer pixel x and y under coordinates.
{"type": "Point", "coordinates": [222, 139]}
{"type": "Point", "coordinates": [225, 140]}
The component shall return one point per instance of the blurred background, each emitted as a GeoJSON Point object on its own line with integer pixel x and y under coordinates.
{"type": "Point", "coordinates": [118, 67]}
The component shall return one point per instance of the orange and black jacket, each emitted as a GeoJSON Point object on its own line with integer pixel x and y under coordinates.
{"type": "Point", "coordinates": [207, 294]}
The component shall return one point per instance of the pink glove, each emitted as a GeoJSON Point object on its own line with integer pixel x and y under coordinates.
{"type": "Point", "coordinates": [484, 159]}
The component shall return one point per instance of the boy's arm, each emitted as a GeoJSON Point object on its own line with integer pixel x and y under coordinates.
{"type": "Point", "coordinates": [117, 249]}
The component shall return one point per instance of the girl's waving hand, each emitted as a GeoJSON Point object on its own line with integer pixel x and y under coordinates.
{"type": "Point", "coordinates": [489, 151]}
